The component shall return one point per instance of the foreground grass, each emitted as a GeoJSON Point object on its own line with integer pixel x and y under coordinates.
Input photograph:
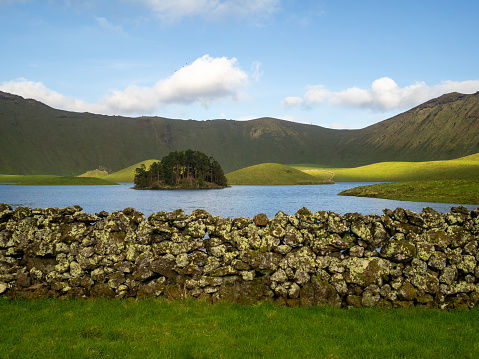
{"type": "Point", "coordinates": [453, 191]}
{"type": "Point", "coordinates": [49, 180]}
{"type": "Point", "coordinates": [274, 174]}
{"type": "Point", "coordinates": [195, 329]}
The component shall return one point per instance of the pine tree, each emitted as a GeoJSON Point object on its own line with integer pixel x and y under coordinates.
{"type": "Point", "coordinates": [188, 168]}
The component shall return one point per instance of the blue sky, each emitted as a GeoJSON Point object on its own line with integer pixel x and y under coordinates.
{"type": "Point", "coordinates": [337, 64]}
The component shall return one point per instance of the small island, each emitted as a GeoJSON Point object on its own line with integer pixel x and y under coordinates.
{"type": "Point", "coordinates": [181, 170]}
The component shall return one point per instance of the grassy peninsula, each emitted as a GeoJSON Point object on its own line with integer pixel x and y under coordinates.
{"type": "Point", "coordinates": [448, 191]}
{"type": "Point", "coordinates": [195, 329]}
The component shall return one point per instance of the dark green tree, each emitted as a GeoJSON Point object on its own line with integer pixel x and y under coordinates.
{"type": "Point", "coordinates": [141, 177]}
{"type": "Point", "coordinates": [191, 169]}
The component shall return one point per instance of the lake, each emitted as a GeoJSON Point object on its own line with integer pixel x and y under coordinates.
{"type": "Point", "coordinates": [231, 202]}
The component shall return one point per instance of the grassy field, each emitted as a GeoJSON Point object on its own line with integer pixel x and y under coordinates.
{"type": "Point", "coordinates": [453, 191]}
{"type": "Point", "coordinates": [49, 180]}
{"type": "Point", "coordinates": [195, 329]}
{"type": "Point", "coordinates": [274, 174]}
{"type": "Point", "coordinates": [462, 168]}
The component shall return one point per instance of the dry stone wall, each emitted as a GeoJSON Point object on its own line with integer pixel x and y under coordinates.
{"type": "Point", "coordinates": [399, 259]}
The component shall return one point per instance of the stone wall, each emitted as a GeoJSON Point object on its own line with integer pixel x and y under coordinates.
{"type": "Point", "coordinates": [399, 259]}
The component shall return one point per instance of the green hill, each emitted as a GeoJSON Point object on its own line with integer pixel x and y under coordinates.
{"type": "Point", "coordinates": [37, 139]}
{"type": "Point", "coordinates": [94, 173]}
{"type": "Point", "coordinates": [441, 129]}
{"type": "Point", "coordinates": [464, 168]}
{"type": "Point", "coordinates": [128, 174]}
{"type": "Point", "coordinates": [124, 175]}
{"type": "Point", "coordinates": [272, 174]}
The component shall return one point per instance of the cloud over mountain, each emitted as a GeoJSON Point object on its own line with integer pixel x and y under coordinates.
{"type": "Point", "coordinates": [206, 80]}
{"type": "Point", "coordinates": [383, 95]}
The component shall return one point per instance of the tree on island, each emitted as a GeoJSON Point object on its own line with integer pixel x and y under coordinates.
{"type": "Point", "coordinates": [185, 169]}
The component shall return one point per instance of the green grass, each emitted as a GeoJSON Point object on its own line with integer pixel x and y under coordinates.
{"type": "Point", "coordinates": [128, 174]}
{"type": "Point", "coordinates": [195, 329]}
{"type": "Point", "coordinates": [465, 168]}
{"type": "Point", "coordinates": [452, 191]}
{"type": "Point", "coordinates": [49, 180]}
{"type": "Point", "coordinates": [94, 173]}
{"type": "Point", "coordinates": [273, 174]}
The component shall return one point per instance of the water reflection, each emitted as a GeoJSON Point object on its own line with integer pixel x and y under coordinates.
{"type": "Point", "coordinates": [229, 202]}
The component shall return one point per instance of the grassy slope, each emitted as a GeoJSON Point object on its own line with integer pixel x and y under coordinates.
{"type": "Point", "coordinates": [443, 128]}
{"type": "Point", "coordinates": [37, 139]}
{"type": "Point", "coordinates": [271, 174]}
{"type": "Point", "coordinates": [465, 168]}
{"type": "Point", "coordinates": [451, 191]}
{"type": "Point", "coordinates": [194, 329]}
{"type": "Point", "coordinates": [454, 181]}
{"type": "Point", "coordinates": [128, 174]}
{"type": "Point", "coordinates": [50, 180]}
{"type": "Point", "coordinates": [94, 173]}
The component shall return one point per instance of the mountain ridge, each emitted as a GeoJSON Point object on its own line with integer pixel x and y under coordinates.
{"type": "Point", "coordinates": [38, 139]}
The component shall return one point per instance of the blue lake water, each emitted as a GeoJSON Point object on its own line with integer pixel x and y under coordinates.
{"type": "Point", "coordinates": [231, 202]}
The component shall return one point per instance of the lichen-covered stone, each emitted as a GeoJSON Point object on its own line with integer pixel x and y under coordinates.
{"type": "Point", "coordinates": [301, 258]}
{"type": "Point", "coordinates": [424, 250]}
{"type": "Point", "coordinates": [366, 271]}
{"type": "Point", "coordinates": [305, 215]}
{"type": "Point", "coordinates": [437, 261]}
{"type": "Point", "coordinates": [432, 218]}
{"type": "Point", "coordinates": [325, 294]}
{"type": "Point", "coordinates": [439, 238]}
{"type": "Point", "coordinates": [260, 220]}
{"type": "Point", "coordinates": [467, 264]}
{"type": "Point", "coordinates": [354, 301]}
{"type": "Point", "coordinates": [407, 292]}
{"type": "Point", "coordinates": [336, 224]}
{"type": "Point", "coordinates": [292, 237]}
{"type": "Point", "coordinates": [458, 236]}
{"type": "Point", "coordinates": [398, 251]}
{"type": "Point", "coordinates": [245, 292]}
{"type": "Point", "coordinates": [325, 244]}
{"type": "Point", "coordinates": [362, 230]}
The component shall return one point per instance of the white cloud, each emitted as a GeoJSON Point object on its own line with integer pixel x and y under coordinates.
{"type": "Point", "coordinates": [292, 102]}
{"type": "Point", "coordinates": [175, 10]}
{"type": "Point", "coordinates": [108, 26]}
{"type": "Point", "coordinates": [316, 94]}
{"type": "Point", "coordinates": [339, 126]}
{"type": "Point", "coordinates": [40, 92]}
{"type": "Point", "coordinates": [256, 72]}
{"type": "Point", "coordinates": [205, 81]}
{"type": "Point", "coordinates": [384, 95]}
{"type": "Point", "coordinates": [245, 118]}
